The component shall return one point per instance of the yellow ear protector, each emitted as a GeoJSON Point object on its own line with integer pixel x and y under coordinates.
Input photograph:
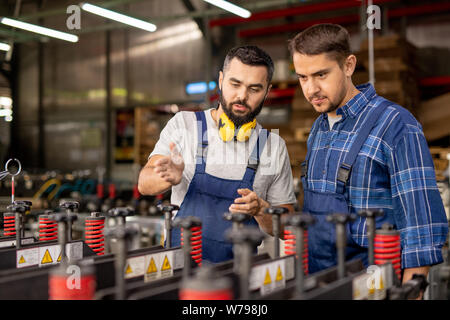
{"type": "Point", "coordinates": [227, 129]}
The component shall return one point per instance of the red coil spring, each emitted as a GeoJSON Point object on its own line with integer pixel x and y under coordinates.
{"type": "Point", "coordinates": [9, 224]}
{"type": "Point", "coordinates": [190, 294]}
{"type": "Point", "coordinates": [289, 246]}
{"type": "Point", "coordinates": [48, 228]}
{"type": "Point", "coordinates": [196, 244]}
{"type": "Point", "coordinates": [59, 290]}
{"type": "Point", "coordinates": [94, 237]}
{"type": "Point", "coordinates": [388, 249]}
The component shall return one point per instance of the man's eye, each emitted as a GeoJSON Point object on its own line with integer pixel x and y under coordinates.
{"type": "Point", "coordinates": [322, 75]}
{"type": "Point", "coordinates": [254, 90]}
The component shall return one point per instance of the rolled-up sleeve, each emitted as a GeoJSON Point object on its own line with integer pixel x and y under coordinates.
{"type": "Point", "coordinates": [418, 209]}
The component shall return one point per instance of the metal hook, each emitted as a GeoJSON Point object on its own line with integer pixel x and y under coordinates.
{"type": "Point", "coordinates": [18, 171]}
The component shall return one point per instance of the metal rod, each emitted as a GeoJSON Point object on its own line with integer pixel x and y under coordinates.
{"type": "Point", "coordinates": [371, 51]}
{"type": "Point", "coordinates": [167, 219]}
{"type": "Point", "coordinates": [18, 226]}
{"type": "Point", "coordinates": [245, 268]}
{"type": "Point", "coordinates": [120, 268]}
{"type": "Point", "coordinates": [62, 241]}
{"type": "Point", "coordinates": [276, 235]}
{"type": "Point", "coordinates": [299, 248]}
{"type": "Point", "coordinates": [341, 239]}
{"type": "Point", "coordinates": [108, 106]}
{"type": "Point", "coordinates": [371, 239]}
{"type": "Point", "coordinates": [187, 252]}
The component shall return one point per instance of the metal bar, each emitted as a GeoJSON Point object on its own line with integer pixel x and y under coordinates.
{"type": "Point", "coordinates": [40, 109]}
{"type": "Point", "coordinates": [108, 107]}
{"type": "Point", "coordinates": [371, 51]}
{"type": "Point", "coordinates": [208, 53]}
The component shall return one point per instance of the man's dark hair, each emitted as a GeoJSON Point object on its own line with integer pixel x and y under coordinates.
{"type": "Point", "coordinates": [250, 55]}
{"type": "Point", "coordinates": [331, 39]}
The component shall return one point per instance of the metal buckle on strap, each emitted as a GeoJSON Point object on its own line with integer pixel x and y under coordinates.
{"type": "Point", "coordinates": [253, 166]}
{"type": "Point", "coordinates": [344, 173]}
{"type": "Point", "coordinates": [303, 169]}
{"type": "Point", "coordinates": [201, 149]}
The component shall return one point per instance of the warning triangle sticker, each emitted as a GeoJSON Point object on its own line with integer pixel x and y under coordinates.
{"type": "Point", "coordinates": [22, 260]}
{"type": "Point", "coordinates": [128, 269]}
{"type": "Point", "coordinates": [267, 278]}
{"type": "Point", "coordinates": [47, 258]}
{"type": "Point", "coordinates": [152, 267]}
{"type": "Point", "coordinates": [59, 258]}
{"type": "Point", "coordinates": [279, 276]}
{"type": "Point", "coordinates": [381, 283]}
{"type": "Point", "coordinates": [166, 264]}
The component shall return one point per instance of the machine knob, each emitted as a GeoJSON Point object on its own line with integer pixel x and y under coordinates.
{"type": "Point", "coordinates": [121, 212]}
{"type": "Point", "coordinates": [236, 217]}
{"type": "Point", "coordinates": [69, 205]}
{"type": "Point", "coordinates": [170, 208]}
{"type": "Point", "coordinates": [341, 218]}
{"type": "Point", "coordinates": [251, 235]}
{"type": "Point", "coordinates": [187, 222]}
{"type": "Point", "coordinates": [276, 210]}
{"type": "Point", "coordinates": [371, 213]}
{"type": "Point", "coordinates": [301, 220]}
{"type": "Point", "coordinates": [18, 208]}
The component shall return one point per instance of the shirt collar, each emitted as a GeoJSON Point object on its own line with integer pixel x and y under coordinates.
{"type": "Point", "coordinates": [356, 104]}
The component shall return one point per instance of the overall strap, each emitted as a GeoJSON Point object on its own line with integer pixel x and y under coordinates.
{"type": "Point", "coordinates": [346, 166]}
{"type": "Point", "coordinates": [254, 159]}
{"type": "Point", "coordinates": [304, 164]}
{"type": "Point", "coordinates": [202, 138]}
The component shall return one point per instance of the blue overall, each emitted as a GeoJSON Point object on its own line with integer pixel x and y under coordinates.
{"type": "Point", "coordinates": [322, 235]}
{"type": "Point", "coordinates": [209, 197]}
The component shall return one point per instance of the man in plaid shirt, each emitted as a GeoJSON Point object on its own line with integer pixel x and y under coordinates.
{"type": "Point", "coordinates": [391, 169]}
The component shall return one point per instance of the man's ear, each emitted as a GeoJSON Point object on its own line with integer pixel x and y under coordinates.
{"type": "Point", "coordinates": [268, 90]}
{"type": "Point", "coordinates": [350, 65]}
{"type": "Point", "coordinates": [220, 79]}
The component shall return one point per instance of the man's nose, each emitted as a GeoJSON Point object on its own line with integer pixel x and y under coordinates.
{"type": "Point", "coordinates": [312, 88]}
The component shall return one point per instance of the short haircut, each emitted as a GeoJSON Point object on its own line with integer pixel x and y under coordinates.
{"type": "Point", "coordinates": [331, 39]}
{"type": "Point", "coordinates": [250, 55]}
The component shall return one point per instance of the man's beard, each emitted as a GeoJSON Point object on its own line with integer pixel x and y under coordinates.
{"type": "Point", "coordinates": [332, 105]}
{"type": "Point", "coordinates": [236, 119]}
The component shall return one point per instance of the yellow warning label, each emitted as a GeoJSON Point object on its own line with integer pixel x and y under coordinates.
{"type": "Point", "coordinates": [267, 278]}
{"type": "Point", "coordinates": [47, 258]}
{"type": "Point", "coordinates": [59, 258]}
{"type": "Point", "coordinates": [381, 283]}
{"type": "Point", "coordinates": [128, 269]}
{"type": "Point", "coordinates": [152, 267]}
{"type": "Point", "coordinates": [22, 260]}
{"type": "Point", "coordinates": [166, 264]}
{"type": "Point", "coordinates": [279, 276]}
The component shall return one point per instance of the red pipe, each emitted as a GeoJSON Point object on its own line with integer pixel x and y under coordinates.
{"type": "Point", "coordinates": [293, 11]}
{"type": "Point", "coordinates": [394, 13]}
{"type": "Point", "coordinates": [435, 81]}
{"type": "Point", "coordinates": [426, 8]}
{"type": "Point", "coordinates": [297, 26]}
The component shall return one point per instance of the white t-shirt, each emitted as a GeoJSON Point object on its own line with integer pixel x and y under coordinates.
{"type": "Point", "coordinates": [228, 160]}
{"type": "Point", "coordinates": [333, 120]}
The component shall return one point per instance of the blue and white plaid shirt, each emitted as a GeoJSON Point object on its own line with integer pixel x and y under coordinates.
{"type": "Point", "coordinates": [394, 171]}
